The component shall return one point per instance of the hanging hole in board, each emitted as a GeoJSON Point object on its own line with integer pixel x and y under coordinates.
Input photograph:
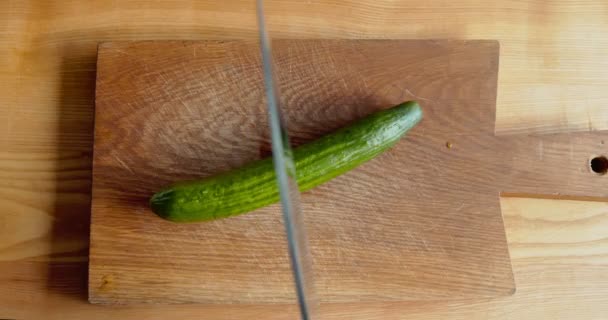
{"type": "Point", "coordinates": [599, 165]}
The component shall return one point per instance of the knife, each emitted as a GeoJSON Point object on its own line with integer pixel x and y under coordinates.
{"type": "Point", "coordinates": [286, 178]}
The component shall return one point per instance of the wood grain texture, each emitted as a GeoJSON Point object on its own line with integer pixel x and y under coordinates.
{"type": "Point", "coordinates": [558, 249]}
{"type": "Point", "coordinates": [552, 78]}
{"type": "Point", "coordinates": [553, 165]}
{"type": "Point", "coordinates": [406, 226]}
{"type": "Point", "coordinates": [411, 229]}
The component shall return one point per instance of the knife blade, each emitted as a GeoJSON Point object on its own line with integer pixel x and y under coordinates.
{"type": "Point", "coordinates": [286, 178]}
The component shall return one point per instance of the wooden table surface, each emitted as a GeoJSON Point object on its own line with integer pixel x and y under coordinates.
{"type": "Point", "coordinates": [553, 78]}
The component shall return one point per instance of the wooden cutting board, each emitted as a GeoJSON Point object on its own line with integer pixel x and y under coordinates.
{"type": "Point", "coordinates": [420, 222]}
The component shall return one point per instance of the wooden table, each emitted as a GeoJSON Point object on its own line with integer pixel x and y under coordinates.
{"type": "Point", "coordinates": [553, 78]}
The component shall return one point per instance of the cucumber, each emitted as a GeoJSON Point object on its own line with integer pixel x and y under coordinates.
{"type": "Point", "coordinates": [254, 185]}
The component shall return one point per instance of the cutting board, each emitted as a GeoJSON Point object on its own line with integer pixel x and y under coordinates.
{"type": "Point", "coordinates": [420, 222]}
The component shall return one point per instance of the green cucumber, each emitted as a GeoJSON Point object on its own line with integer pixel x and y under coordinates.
{"type": "Point", "coordinates": [254, 185]}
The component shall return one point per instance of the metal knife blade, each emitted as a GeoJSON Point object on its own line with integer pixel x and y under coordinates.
{"type": "Point", "coordinates": [286, 178]}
